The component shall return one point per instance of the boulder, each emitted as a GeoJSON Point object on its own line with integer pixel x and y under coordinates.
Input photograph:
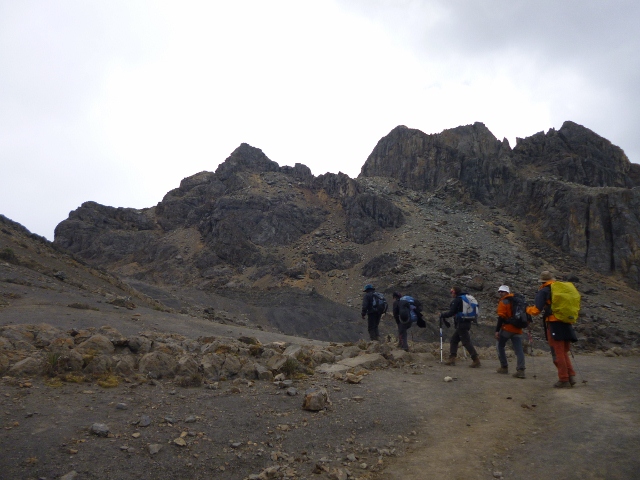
{"type": "Point", "coordinates": [27, 367]}
{"type": "Point", "coordinates": [368, 361]}
{"type": "Point", "coordinates": [157, 365]}
{"type": "Point", "coordinates": [139, 344]}
{"type": "Point", "coordinates": [98, 364]}
{"type": "Point", "coordinates": [211, 365]}
{"type": "Point", "coordinates": [97, 344]}
{"type": "Point", "coordinates": [231, 366]}
{"type": "Point", "coordinates": [263, 373]}
{"type": "Point", "coordinates": [186, 366]}
{"type": "Point", "coordinates": [124, 364]}
{"type": "Point", "coordinates": [276, 362]}
{"type": "Point", "coordinates": [70, 360]}
{"type": "Point", "coordinates": [315, 400]}
{"type": "Point", "coordinates": [322, 356]}
{"type": "Point", "coordinates": [332, 368]}
{"type": "Point", "coordinates": [292, 351]}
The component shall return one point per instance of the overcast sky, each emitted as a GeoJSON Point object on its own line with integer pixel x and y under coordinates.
{"type": "Point", "coordinates": [118, 101]}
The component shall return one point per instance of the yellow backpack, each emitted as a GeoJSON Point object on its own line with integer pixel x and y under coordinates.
{"type": "Point", "coordinates": [565, 302]}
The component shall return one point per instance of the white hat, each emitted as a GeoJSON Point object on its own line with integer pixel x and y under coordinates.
{"type": "Point", "coordinates": [504, 288]}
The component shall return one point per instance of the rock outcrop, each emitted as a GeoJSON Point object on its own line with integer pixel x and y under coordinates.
{"type": "Point", "coordinates": [572, 188]}
{"type": "Point", "coordinates": [234, 218]}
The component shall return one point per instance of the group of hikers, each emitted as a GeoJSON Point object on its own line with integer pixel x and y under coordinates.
{"type": "Point", "coordinates": [558, 302]}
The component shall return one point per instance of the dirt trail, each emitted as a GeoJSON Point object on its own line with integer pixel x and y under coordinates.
{"type": "Point", "coordinates": [484, 424]}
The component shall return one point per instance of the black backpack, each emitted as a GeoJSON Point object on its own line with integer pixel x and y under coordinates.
{"type": "Point", "coordinates": [520, 319]}
{"type": "Point", "coordinates": [379, 303]}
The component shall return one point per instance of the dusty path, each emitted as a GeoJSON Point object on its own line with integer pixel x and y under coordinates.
{"type": "Point", "coordinates": [485, 425]}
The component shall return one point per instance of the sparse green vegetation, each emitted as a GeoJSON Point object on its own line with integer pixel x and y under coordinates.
{"type": "Point", "coordinates": [53, 363]}
{"type": "Point", "coordinates": [8, 255]}
{"type": "Point", "coordinates": [193, 380]}
{"type": "Point", "coordinates": [290, 367]}
{"type": "Point", "coordinates": [82, 306]}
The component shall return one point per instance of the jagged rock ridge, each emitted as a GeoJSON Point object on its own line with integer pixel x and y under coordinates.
{"type": "Point", "coordinates": [571, 187]}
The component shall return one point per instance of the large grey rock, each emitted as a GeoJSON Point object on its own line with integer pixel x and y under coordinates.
{"type": "Point", "coordinates": [26, 367]}
{"type": "Point", "coordinates": [186, 366]}
{"type": "Point", "coordinates": [157, 365]}
{"type": "Point", "coordinates": [368, 360]}
{"type": "Point", "coordinates": [332, 368]}
{"type": "Point", "coordinates": [139, 344]}
{"type": "Point", "coordinates": [97, 344]}
{"type": "Point", "coordinates": [98, 364]}
{"type": "Point", "coordinates": [315, 400]}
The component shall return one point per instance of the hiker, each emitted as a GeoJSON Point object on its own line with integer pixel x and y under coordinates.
{"type": "Point", "coordinates": [373, 310]}
{"type": "Point", "coordinates": [402, 328]}
{"type": "Point", "coordinates": [462, 326]}
{"type": "Point", "coordinates": [406, 311]}
{"type": "Point", "coordinates": [506, 331]}
{"type": "Point", "coordinates": [558, 334]}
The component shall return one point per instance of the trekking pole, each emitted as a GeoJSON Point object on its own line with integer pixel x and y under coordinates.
{"type": "Point", "coordinates": [440, 339]}
{"type": "Point", "coordinates": [533, 363]}
{"type": "Point", "coordinates": [576, 366]}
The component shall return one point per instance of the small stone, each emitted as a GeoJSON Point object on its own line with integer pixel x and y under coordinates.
{"type": "Point", "coordinates": [292, 392]}
{"type": "Point", "coordinates": [69, 476]}
{"type": "Point", "coordinates": [351, 457]}
{"type": "Point", "coordinates": [497, 474]}
{"type": "Point", "coordinates": [190, 419]}
{"type": "Point", "coordinates": [100, 429]}
{"type": "Point", "coordinates": [136, 435]}
{"type": "Point", "coordinates": [145, 421]}
{"type": "Point", "coordinates": [180, 442]}
{"type": "Point", "coordinates": [154, 448]}
{"type": "Point", "coordinates": [448, 379]}
{"type": "Point", "coordinates": [121, 406]}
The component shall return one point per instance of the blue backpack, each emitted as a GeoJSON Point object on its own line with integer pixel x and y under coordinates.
{"type": "Point", "coordinates": [408, 310]}
{"type": "Point", "coordinates": [470, 308]}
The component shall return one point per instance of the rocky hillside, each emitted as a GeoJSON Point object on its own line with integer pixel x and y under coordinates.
{"type": "Point", "coordinates": [278, 248]}
{"type": "Point", "coordinates": [570, 188]}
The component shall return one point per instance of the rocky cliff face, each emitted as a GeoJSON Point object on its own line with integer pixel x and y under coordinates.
{"type": "Point", "coordinates": [571, 187]}
{"type": "Point", "coordinates": [238, 217]}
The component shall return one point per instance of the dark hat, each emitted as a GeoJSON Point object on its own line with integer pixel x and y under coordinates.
{"type": "Point", "coordinates": [368, 286]}
{"type": "Point", "coordinates": [397, 295]}
{"type": "Point", "coordinates": [546, 276]}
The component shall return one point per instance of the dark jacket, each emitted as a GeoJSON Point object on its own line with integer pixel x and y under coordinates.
{"type": "Point", "coordinates": [396, 310]}
{"type": "Point", "coordinates": [456, 306]}
{"type": "Point", "coordinates": [367, 303]}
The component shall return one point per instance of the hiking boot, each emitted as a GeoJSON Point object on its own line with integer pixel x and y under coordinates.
{"type": "Point", "coordinates": [476, 363]}
{"type": "Point", "coordinates": [519, 374]}
{"type": "Point", "coordinates": [561, 384]}
{"type": "Point", "coordinates": [451, 361]}
{"type": "Point", "coordinates": [504, 370]}
{"type": "Point", "coordinates": [572, 380]}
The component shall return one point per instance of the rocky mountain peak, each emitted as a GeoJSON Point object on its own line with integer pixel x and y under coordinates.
{"type": "Point", "coordinates": [578, 155]}
{"type": "Point", "coordinates": [246, 158]}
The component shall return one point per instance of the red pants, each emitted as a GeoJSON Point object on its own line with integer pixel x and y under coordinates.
{"type": "Point", "coordinates": [560, 353]}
